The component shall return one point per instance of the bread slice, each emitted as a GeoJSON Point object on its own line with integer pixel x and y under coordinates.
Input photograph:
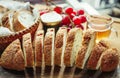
{"type": "Point", "coordinates": [23, 19]}
{"type": "Point", "coordinates": [2, 11]}
{"type": "Point", "coordinates": [97, 51]}
{"type": "Point", "coordinates": [109, 60]}
{"type": "Point", "coordinates": [60, 43]}
{"type": "Point", "coordinates": [85, 51]}
{"type": "Point", "coordinates": [12, 57]}
{"type": "Point", "coordinates": [7, 20]}
{"type": "Point", "coordinates": [73, 43]}
{"type": "Point", "coordinates": [38, 47]}
{"type": "Point", "coordinates": [49, 47]}
{"type": "Point", "coordinates": [28, 50]}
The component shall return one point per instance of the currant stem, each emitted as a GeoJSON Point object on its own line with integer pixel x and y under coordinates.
{"type": "Point", "coordinates": [52, 2]}
{"type": "Point", "coordinates": [73, 25]}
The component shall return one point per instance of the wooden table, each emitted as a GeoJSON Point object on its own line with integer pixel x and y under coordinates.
{"type": "Point", "coordinates": [57, 72]}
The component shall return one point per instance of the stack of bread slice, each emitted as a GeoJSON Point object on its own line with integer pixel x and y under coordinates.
{"type": "Point", "coordinates": [73, 48]}
{"type": "Point", "coordinates": [73, 43]}
{"type": "Point", "coordinates": [18, 20]}
{"type": "Point", "coordinates": [88, 43]}
{"type": "Point", "coordinates": [22, 19]}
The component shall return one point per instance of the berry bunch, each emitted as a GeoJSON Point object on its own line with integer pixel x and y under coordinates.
{"type": "Point", "coordinates": [70, 17]}
{"type": "Point", "coordinates": [75, 17]}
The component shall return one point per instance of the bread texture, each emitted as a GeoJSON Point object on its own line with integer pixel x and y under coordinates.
{"type": "Point", "coordinates": [99, 48]}
{"type": "Point", "coordinates": [73, 43]}
{"type": "Point", "coordinates": [60, 43]}
{"type": "Point", "coordinates": [38, 47]}
{"type": "Point", "coordinates": [7, 20]}
{"type": "Point", "coordinates": [22, 19]}
{"type": "Point", "coordinates": [2, 11]}
{"type": "Point", "coordinates": [109, 60]}
{"type": "Point", "coordinates": [84, 52]}
{"type": "Point", "coordinates": [49, 47]}
{"type": "Point", "coordinates": [12, 57]}
{"type": "Point", "coordinates": [28, 50]}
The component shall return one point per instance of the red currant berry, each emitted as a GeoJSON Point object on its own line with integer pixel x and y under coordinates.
{"type": "Point", "coordinates": [65, 20]}
{"type": "Point", "coordinates": [82, 18]}
{"type": "Point", "coordinates": [58, 9]}
{"type": "Point", "coordinates": [80, 12]}
{"type": "Point", "coordinates": [80, 26]}
{"type": "Point", "coordinates": [76, 20]}
{"type": "Point", "coordinates": [69, 10]}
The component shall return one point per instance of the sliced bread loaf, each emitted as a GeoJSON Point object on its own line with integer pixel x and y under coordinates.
{"type": "Point", "coordinates": [84, 52]}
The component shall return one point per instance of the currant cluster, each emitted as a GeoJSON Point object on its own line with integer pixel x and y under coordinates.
{"type": "Point", "coordinates": [70, 17]}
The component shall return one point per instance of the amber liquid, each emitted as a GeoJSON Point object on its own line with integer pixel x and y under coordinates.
{"type": "Point", "coordinates": [103, 34]}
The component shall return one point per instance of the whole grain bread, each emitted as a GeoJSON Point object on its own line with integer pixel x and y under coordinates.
{"type": "Point", "coordinates": [12, 57]}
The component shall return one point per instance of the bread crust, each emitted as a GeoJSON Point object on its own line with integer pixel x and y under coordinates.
{"type": "Point", "coordinates": [12, 57]}
{"type": "Point", "coordinates": [48, 47]}
{"type": "Point", "coordinates": [96, 54]}
{"type": "Point", "coordinates": [80, 56]}
{"type": "Point", "coordinates": [28, 50]}
{"type": "Point", "coordinates": [59, 41]}
{"type": "Point", "coordinates": [87, 36]}
{"type": "Point", "coordinates": [109, 60]}
{"type": "Point", "coordinates": [38, 47]}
